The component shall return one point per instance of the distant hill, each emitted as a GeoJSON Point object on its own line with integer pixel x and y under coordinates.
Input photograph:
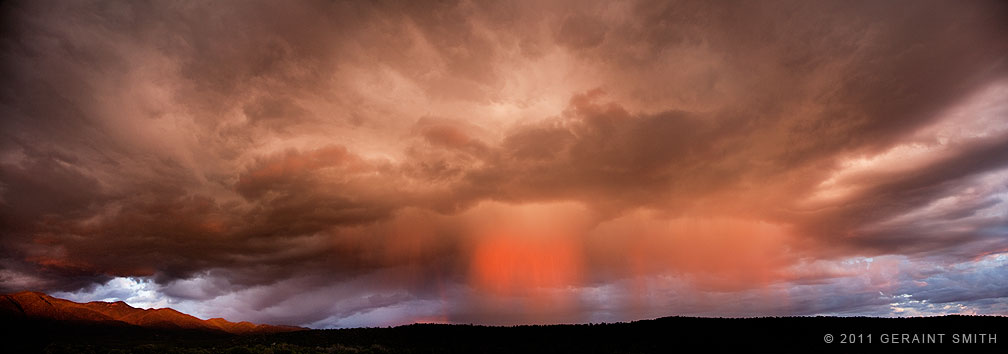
{"type": "Point", "coordinates": [36, 306]}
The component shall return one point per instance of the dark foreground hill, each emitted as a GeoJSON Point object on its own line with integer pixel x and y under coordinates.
{"type": "Point", "coordinates": [664, 335]}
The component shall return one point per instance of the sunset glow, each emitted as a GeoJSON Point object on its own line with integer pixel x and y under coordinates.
{"type": "Point", "coordinates": [341, 164]}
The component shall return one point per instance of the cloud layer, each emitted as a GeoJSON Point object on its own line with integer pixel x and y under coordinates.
{"type": "Point", "coordinates": [343, 164]}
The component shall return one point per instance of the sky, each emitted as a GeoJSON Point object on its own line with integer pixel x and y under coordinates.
{"type": "Point", "coordinates": [347, 163]}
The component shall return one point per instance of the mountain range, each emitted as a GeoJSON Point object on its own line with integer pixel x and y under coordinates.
{"type": "Point", "coordinates": [30, 305]}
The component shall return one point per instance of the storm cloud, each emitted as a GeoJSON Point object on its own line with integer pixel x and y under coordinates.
{"type": "Point", "coordinates": [329, 164]}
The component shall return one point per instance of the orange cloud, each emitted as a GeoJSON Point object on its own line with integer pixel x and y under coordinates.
{"type": "Point", "coordinates": [513, 265]}
{"type": "Point", "coordinates": [721, 253]}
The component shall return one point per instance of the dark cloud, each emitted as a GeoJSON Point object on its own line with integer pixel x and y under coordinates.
{"type": "Point", "coordinates": [272, 156]}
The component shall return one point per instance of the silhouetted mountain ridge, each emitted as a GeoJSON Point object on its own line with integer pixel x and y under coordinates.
{"type": "Point", "coordinates": [38, 306]}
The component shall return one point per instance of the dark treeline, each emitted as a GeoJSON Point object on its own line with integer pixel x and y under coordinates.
{"type": "Point", "coordinates": [664, 335]}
